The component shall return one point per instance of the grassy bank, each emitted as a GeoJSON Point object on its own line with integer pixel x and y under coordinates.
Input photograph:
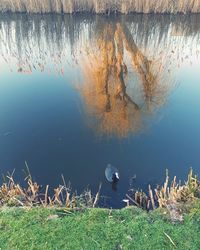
{"type": "Point", "coordinates": [30, 219]}
{"type": "Point", "coordinates": [99, 6]}
{"type": "Point", "coordinates": [128, 228]}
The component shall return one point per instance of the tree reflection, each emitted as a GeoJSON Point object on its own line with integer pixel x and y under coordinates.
{"type": "Point", "coordinates": [127, 61]}
{"type": "Point", "coordinates": [108, 91]}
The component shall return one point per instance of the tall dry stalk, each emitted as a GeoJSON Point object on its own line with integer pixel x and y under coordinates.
{"type": "Point", "coordinates": [104, 6]}
{"type": "Point", "coordinates": [170, 195]}
{"type": "Point", "coordinates": [13, 194]}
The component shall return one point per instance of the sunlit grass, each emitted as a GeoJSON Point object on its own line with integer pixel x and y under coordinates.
{"type": "Point", "coordinates": [63, 221]}
{"type": "Point", "coordinates": [129, 228]}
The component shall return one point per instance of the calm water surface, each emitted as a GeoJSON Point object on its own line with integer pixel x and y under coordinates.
{"type": "Point", "coordinates": [79, 92]}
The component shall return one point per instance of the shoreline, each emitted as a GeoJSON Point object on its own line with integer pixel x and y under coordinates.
{"type": "Point", "coordinates": [112, 13]}
{"type": "Point", "coordinates": [171, 194]}
{"type": "Point", "coordinates": [101, 7]}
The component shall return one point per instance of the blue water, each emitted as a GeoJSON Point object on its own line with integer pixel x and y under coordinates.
{"type": "Point", "coordinates": [44, 118]}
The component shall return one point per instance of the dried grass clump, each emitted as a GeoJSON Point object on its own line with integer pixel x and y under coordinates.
{"type": "Point", "coordinates": [99, 6]}
{"type": "Point", "coordinates": [177, 192]}
{"type": "Point", "coordinates": [13, 194]}
{"type": "Point", "coordinates": [170, 195]}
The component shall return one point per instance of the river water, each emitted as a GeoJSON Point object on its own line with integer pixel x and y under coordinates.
{"type": "Point", "coordinates": [78, 92]}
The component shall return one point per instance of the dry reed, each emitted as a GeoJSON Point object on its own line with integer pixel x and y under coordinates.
{"type": "Point", "coordinates": [99, 6]}
{"type": "Point", "coordinates": [171, 195]}
{"type": "Point", "coordinates": [13, 194]}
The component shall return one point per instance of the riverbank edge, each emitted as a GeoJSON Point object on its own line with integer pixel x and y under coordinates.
{"type": "Point", "coordinates": [98, 228]}
{"type": "Point", "coordinates": [104, 13]}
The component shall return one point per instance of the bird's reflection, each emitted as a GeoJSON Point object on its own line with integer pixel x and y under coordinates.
{"type": "Point", "coordinates": [114, 186]}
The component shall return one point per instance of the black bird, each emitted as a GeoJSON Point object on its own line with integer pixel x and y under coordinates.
{"type": "Point", "coordinates": [112, 174]}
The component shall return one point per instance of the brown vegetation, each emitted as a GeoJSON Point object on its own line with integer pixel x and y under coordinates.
{"type": "Point", "coordinates": [99, 6]}
{"type": "Point", "coordinates": [171, 195]}
{"type": "Point", "coordinates": [13, 194]}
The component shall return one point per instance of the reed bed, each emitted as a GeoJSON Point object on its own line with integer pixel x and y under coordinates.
{"type": "Point", "coordinates": [32, 194]}
{"type": "Point", "coordinates": [99, 6]}
{"type": "Point", "coordinates": [171, 195]}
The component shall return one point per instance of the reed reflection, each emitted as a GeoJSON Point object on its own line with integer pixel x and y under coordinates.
{"type": "Point", "coordinates": [128, 64]}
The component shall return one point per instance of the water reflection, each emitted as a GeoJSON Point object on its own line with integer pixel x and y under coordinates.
{"type": "Point", "coordinates": [126, 64]}
{"type": "Point", "coordinates": [120, 75]}
{"type": "Point", "coordinates": [121, 84]}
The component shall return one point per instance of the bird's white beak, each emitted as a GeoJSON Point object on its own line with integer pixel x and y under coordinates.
{"type": "Point", "coordinates": [117, 175]}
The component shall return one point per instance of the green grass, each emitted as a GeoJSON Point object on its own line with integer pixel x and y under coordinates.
{"type": "Point", "coordinates": [129, 228]}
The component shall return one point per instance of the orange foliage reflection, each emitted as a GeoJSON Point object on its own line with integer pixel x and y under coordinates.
{"type": "Point", "coordinates": [109, 94]}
